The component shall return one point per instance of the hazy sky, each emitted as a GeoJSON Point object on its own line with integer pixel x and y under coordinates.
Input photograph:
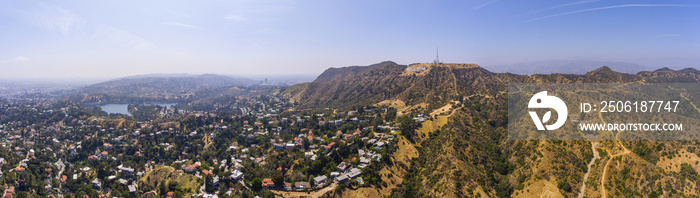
{"type": "Point", "coordinates": [119, 38]}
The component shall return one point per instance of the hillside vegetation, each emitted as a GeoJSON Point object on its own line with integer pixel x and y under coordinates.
{"type": "Point", "coordinates": [468, 154]}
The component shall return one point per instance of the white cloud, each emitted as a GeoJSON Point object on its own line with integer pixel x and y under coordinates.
{"type": "Point", "coordinates": [54, 18]}
{"type": "Point", "coordinates": [565, 5]}
{"type": "Point", "coordinates": [21, 58]}
{"type": "Point", "coordinates": [181, 25]}
{"type": "Point", "coordinates": [485, 4]}
{"type": "Point", "coordinates": [609, 7]}
{"type": "Point", "coordinates": [235, 17]}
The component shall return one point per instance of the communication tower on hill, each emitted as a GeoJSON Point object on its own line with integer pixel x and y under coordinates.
{"type": "Point", "coordinates": [437, 56]}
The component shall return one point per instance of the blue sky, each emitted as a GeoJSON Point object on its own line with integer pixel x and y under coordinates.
{"type": "Point", "coordinates": [70, 38]}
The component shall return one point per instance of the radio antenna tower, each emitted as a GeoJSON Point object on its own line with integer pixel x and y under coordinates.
{"type": "Point", "coordinates": [437, 56]}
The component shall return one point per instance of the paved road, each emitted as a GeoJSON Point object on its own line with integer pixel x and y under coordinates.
{"type": "Point", "coordinates": [314, 194]}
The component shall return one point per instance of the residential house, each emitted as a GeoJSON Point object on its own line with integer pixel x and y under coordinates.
{"type": "Point", "coordinates": [302, 185]}
{"type": "Point", "coordinates": [215, 181]}
{"type": "Point", "coordinates": [341, 179]}
{"type": "Point", "coordinates": [330, 146]}
{"type": "Point", "coordinates": [364, 160]}
{"type": "Point", "coordinates": [354, 172]}
{"type": "Point", "coordinates": [96, 184]}
{"type": "Point", "coordinates": [289, 146]}
{"type": "Point", "coordinates": [320, 180]}
{"type": "Point", "coordinates": [379, 145]}
{"type": "Point", "coordinates": [10, 191]}
{"type": "Point", "coordinates": [371, 141]}
{"type": "Point", "coordinates": [232, 149]}
{"type": "Point", "coordinates": [268, 183]}
{"type": "Point", "coordinates": [207, 172]}
{"type": "Point", "coordinates": [342, 166]}
{"type": "Point", "coordinates": [279, 146]}
{"type": "Point", "coordinates": [126, 171]}
{"type": "Point", "coordinates": [192, 167]}
{"type": "Point", "coordinates": [236, 175]}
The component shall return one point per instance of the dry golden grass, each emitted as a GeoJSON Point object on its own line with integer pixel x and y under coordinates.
{"type": "Point", "coordinates": [295, 92]}
{"type": "Point", "coordinates": [674, 164]}
{"type": "Point", "coordinates": [401, 107]}
{"type": "Point", "coordinates": [169, 124]}
{"type": "Point", "coordinates": [539, 188]}
{"type": "Point", "coordinates": [362, 192]}
{"type": "Point", "coordinates": [480, 192]}
{"type": "Point", "coordinates": [392, 175]}
{"type": "Point", "coordinates": [398, 104]}
{"type": "Point", "coordinates": [429, 126]}
{"type": "Point", "coordinates": [154, 177]}
{"type": "Point", "coordinates": [442, 110]}
{"type": "Point", "coordinates": [406, 151]}
{"type": "Point", "coordinates": [116, 123]}
{"type": "Point", "coordinates": [208, 143]}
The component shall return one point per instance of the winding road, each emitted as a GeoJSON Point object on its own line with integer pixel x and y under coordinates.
{"type": "Point", "coordinates": [605, 168]}
{"type": "Point", "coordinates": [585, 177]}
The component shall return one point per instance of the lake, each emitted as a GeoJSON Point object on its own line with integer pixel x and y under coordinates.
{"type": "Point", "coordinates": [124, 108]}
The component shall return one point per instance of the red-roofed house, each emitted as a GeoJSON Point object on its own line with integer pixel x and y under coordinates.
{"type": "Point", "coordinates": [207, 172]}
{"type": "Point", "coordinates": [331, 145]}
{"type": "Point", "coordinates": [192, 167]}
{"type": "Point", "coordinates": [268, 183]}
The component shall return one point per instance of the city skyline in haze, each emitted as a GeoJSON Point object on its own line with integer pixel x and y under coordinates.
{"type": "Point", "coordinates": [63, 39]}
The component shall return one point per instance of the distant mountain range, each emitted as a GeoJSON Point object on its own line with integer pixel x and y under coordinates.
{"type": "Point", "coordinates": [160, 75]}
{"type": "Point", "coordinates": [358, 86]}
{"type": "Point", "coordinates": [164, 84]}
{"type": "Point", "coordinates": [169, 87]}
{"type": "Point", "coordinates": [566, 66]}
